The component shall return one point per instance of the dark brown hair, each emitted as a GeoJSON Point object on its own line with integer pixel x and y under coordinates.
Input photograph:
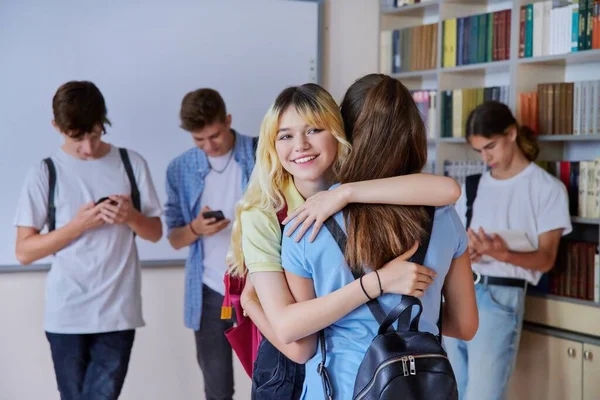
{"type": "Point", "coordinates": [388, 139]}
{"type": "Point", "coordinates": [201, 108]}
{"type": "Point", "coordinates": [494, 118]}
{"type": "Point", "coordinates": [78, 108]}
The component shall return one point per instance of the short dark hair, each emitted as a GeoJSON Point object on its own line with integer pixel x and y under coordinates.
{"type": "Point", "coordinates": [78, 108]}
{"type": "Point", "coordinates": [201, 108]}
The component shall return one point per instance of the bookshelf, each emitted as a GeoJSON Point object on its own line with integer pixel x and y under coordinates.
{"type": "Point", "coordinates": [520, 75]}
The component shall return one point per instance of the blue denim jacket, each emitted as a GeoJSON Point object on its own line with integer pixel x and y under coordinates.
{"type": "Point", "coordinates": [185, 183]}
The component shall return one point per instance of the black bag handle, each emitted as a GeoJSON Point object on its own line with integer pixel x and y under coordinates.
{"type": "Point", "coordinates": [405, 307]}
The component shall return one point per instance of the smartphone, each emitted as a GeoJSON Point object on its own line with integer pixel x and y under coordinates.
{"type": "Point", "coordinates": [112, 202]}
{"type": "Point", "coordinates": [214, 214]}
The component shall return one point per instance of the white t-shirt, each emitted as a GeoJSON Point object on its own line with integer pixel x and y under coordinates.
{"type": "Point", "coordinates": [221, 192]}
{"type": "Point", "coordinates": [532, 201]}
{"type": "Point", "coordinates": [94, 284]}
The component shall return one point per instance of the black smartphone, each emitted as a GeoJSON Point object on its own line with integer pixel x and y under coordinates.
{"type": "Point", "coordinates": [214, 214]}
{"type": "Point", "coordinates": [112, 202]}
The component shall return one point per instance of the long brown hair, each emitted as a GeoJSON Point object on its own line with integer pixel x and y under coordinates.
{"type": "Point", "coordinates": [494, 118]}
{"type": "Point", "coordinates": [388, 139]}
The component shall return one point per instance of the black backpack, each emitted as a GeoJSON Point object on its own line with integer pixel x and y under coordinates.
{"type": "Point", "coordinates": [135, 193]}
{"type": "Point", "coordinates": [402, 363]}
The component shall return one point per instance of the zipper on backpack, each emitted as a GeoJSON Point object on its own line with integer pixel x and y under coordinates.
{"type": "Point", "coordinates": [413, 367]}
{"type": "Point", "coordinates": [404, 369]}
{"type": "Point", "coordinates": [406, 360]}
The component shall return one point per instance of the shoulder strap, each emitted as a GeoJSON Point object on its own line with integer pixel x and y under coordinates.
{"type": "Point", "coordinates": [51, 190]}
{"type": "Point", "coordinates": [340, 238]}
{"type": "Point", "coordinates": [254, 145]}
{"type": "Point", "coordinates": [135, 193]}
{"type": "Point", "coordinates": [471, 184]}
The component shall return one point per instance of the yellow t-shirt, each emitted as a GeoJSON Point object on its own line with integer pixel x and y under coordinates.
{"type": "Point", "coordinates": [261, 234]}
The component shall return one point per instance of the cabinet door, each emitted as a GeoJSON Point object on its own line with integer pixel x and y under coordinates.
{"type": "Point", "coordinates": [591, 372]}
{"type": "Point", "coordinates": [548, 368]}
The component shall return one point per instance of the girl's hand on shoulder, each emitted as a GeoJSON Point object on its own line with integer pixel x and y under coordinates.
{"type": "Point", "coordinates": [315, 211]}
{"type": "Point", "coordinates": [401, 276]}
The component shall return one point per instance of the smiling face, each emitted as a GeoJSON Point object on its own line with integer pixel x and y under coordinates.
{"type": "Point", "coordinates": [306, 152]}
{"type": "Point", "coordinates": [496, 151]}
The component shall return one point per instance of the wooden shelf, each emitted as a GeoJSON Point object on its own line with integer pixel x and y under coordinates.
{"type": "Point", "coordinates": [460, 140]}
{"type": "Point", "coordinates": [568, 138]}
{"type": "Point", "coordinates": [588, 221]}
{"type": "Point", "coordinates": [423, 74]}
{"type": "Point", "coordinates": [563, 312]}
{"type": "Point", "coordinates": [578, 57]}
{"type": "Point", "coordinates": [495, 66]}
{"type": "Point", "coordinates": [411, 9]}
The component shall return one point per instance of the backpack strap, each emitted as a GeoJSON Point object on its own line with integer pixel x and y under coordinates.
{"type": "Point", "coordinates": [254, 145]}
{"type": "Point", "coordinates": [51, 191]}
{"type": "Point", "coordinates": [471, 184]}
{"type": "Point", "coordinates": [419, 258]}
{"type": "Point", "coordinates": [135, 193]}
{"type": "Point", "coordinates": [340, 238]}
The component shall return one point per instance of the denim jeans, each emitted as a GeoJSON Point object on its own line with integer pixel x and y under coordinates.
{"type": "Point", "coordinates": [483, 366]}
{"type": "Point", "coordinates": [275, 376]}
{"type": "Point", "coordinates": [90, 366]}
{"type": "Point", "coordinates": [213, 351]}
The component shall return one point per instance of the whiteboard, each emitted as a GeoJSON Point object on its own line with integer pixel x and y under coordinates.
{"type": "Point", "coordinates": [144, 57]}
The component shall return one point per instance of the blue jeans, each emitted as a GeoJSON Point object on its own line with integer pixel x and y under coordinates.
{"type": "Point", "coordinates": [91, 366]}
{"type": "Point", "coordinates": [213, 351]}
{"type": "Point", "coordinates": [483, 365]}
{"type": "Point", "coordinates": [275, 376]}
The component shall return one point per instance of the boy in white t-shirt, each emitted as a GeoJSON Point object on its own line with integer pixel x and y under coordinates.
{"type": "Point", "coordinates": [93, 290]}
{"type": "Point", "coordinates": [515, 194]}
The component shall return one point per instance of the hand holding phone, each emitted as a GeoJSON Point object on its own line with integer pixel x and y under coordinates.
{"type": "Point", "coordinates": [209, 222]}
{"type": "Point", "coordinates": [106, 198]}
{"type": "Point", "coordinates": [218, 215]}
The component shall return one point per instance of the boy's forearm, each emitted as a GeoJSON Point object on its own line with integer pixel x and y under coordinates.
{"type": "Point", "coordinates": [148, 228]}
{"type": "Point", "coordinates": [182, 237]}
{"type": "Point", "coordinates": [38, 246]}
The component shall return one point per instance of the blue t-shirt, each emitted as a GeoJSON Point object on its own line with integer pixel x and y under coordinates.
{"type": "Point", "coordinates": [347, 340]}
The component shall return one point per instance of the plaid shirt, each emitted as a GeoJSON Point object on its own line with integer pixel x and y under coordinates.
{"type": "Point", "coordinates": [185, 183]}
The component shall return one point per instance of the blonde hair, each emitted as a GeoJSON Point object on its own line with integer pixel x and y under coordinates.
{"type": "Point", "coordinates": [265, 189]}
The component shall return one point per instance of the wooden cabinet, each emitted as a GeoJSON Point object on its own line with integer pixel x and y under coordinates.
{"type": "Point", "coordinates": [548, 368]}
{"type": "Point", "coordinates": [555, 368]}
{"type": "Point", "coordinates": [591, 372]}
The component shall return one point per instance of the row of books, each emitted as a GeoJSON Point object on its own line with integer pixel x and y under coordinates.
{"type": "Point", "coordinates": [459, 170]}
{"type": "Point", "coordinates": [426, 101]}
{"type": "Point", "coordinates": [582, 180]}
{"type": "Point", "coordinates": [457, 104]}
{"type": "Point", "coordinates": [562, 108]}
{"type": "Point", "coordinates": [576, 273]}
{"type": "Point", "coordinates": [410, 49]}
{"type": "Point", "coordinates": [546, 30]}
{"type": "Point", "coordinates": [390, 4]}
{"type": "Point", "coordinates": [476, 39]}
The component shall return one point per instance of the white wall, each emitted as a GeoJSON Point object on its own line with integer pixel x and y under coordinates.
{"type": "Point", "coordinates": [163, 364]}
{"type": "Point", "coordinates": [350, 46]}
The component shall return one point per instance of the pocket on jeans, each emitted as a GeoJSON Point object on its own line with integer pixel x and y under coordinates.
{"type": "Point", "coordinates": [505, 298]}
{"type": "Point", "coordinates": [267, 368]}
